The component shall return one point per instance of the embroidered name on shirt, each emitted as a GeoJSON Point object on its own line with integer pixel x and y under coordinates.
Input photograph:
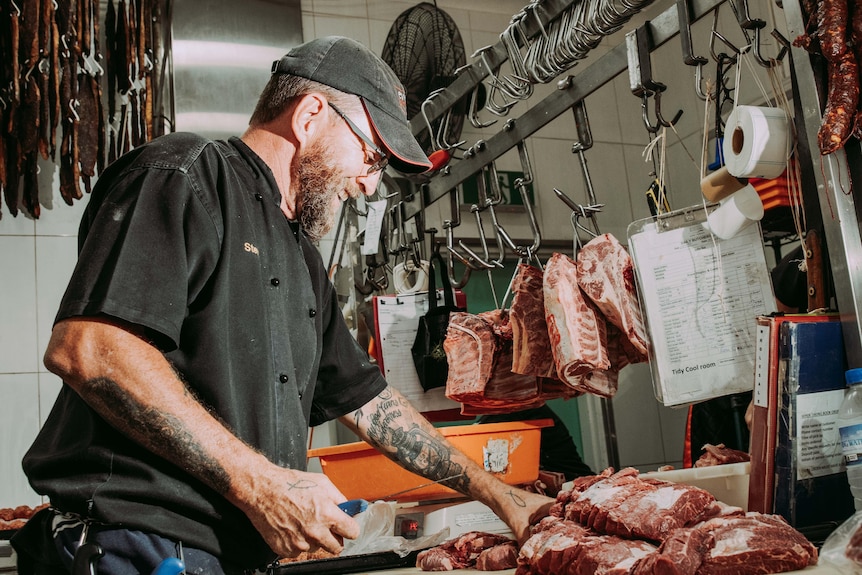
{"type": "Point", "coordinates": [251, 248]}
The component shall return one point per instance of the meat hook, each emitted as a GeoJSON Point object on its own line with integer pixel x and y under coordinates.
{"type": "Point", "coordinates": [476, 210]}
{"type": "Point", "coordinates": [683, 8]}
{"type": "Point", "coordinates": [491, 105]}
{"type": "Point", "coordinates": [746, 22]}
{"type": "Point", "coordinates": [521, 184]}
{"type": "Point", "coordinates": [474, 109]}
{"type": "Point", "coordinates": [449, 225]}
{"type": "Point", "coordinates": [641, 81]}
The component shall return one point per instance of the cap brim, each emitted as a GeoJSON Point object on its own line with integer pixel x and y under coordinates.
{"type": "Point", "coordinates": [406, 154]}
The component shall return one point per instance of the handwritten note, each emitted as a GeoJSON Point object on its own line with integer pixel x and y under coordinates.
{"type": "Point", "coordinates": [373, 226]}
{"type": "Point", "coordinates": [701, 296]}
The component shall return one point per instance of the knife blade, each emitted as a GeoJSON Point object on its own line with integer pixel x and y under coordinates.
{"type": "Point", "coordinates": [355, 506]}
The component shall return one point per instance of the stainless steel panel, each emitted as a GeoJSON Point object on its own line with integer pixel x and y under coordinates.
{"type": "Point", "coordinates": [836, 196]}
{"type": "Point", "coordinates": [222, 53]}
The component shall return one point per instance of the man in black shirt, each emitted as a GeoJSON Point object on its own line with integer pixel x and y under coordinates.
{"type": "Point", "coordinates": [199, 337]}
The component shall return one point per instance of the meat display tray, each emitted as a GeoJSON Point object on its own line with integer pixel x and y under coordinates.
{"type": "Point", "coordinates": [351, 564]}
{"type": "Point", "coordinates": [7, 533]}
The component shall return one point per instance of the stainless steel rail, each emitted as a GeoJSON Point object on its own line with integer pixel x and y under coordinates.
{"type": "Point", "coordinates": [514, 131]}
{"type": "Point", "coordinates": [834, 192]}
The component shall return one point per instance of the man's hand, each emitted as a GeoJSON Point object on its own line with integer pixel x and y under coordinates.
{"type": "Point", "coordinates": [296, 511]}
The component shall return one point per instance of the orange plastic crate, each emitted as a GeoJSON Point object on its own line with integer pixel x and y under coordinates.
{"type": "Point", "coordinates": [509, 450]}
{"type": "Point", "coordinates": [774, 192]}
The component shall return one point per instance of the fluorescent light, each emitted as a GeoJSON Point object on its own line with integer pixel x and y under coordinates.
{"type": "Point", "coordinates": [196, 53]}
{"type": "Point", "coordinates": [212, 122]}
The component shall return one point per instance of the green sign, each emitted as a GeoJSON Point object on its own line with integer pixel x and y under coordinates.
{"type": "Point", "coordinates": [511, 194]}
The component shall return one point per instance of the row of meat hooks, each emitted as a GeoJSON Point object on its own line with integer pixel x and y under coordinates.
{"type": "Point", "coordinates": [584, 20]}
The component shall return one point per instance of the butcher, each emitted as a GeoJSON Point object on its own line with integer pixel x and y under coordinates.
{"type": "Point", "coordinates": [199, 338]}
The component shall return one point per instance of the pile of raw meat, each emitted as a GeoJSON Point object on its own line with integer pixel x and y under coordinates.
{"type": "Point", "coordinates": [623, 524]}
{"type": "Point", "coordinates": [720, 455]}
{"type": "Point", "coordinates": [569, 331]}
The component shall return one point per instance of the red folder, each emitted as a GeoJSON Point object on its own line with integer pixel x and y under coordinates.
{"type": "Point", "coordinates": [764, 424]}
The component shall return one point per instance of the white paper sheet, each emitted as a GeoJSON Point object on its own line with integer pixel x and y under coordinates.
{"type": "Point", "coordinates": [701, 296]}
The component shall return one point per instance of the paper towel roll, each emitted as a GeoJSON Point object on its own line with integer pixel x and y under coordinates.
{"type": "Point", "coordinates": [719, 184]}
{"type": "Point", "coordinates": [735, 213]}
{"type": "Point", "coordinates": [756, 142]}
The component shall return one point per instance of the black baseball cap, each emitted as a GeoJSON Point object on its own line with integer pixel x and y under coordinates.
{"type": "Point", "coordinates": [347, 65]}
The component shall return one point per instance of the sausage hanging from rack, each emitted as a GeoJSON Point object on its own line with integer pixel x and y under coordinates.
{"type": "Point", "coordinates": [842, 102]}
{"type": "Point", "coordinates": [856, 36]}
{"type": "Point", "coordinates": [838, 29]}
{"type": "Point", "coordinates": [832, 18]}
{"type": "Point", "coordinates": [53, 49]}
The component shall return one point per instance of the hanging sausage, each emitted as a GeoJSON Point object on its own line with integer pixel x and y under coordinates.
{"type": "Point", "coordinates": [52, 80]}
{"type": "Point", "coordinates": [835, 33]}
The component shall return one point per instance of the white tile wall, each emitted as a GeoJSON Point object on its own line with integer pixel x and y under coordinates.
{"type": "Point", "coordinates": [36, 257]}
{"type": "Point", "coordinates": [19, 422]}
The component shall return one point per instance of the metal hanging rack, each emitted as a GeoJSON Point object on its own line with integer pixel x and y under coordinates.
{"type": "Point", "coordinates": [570, 91]}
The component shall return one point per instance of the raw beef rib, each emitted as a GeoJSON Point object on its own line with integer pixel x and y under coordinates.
{"type": "Point", "coordinates": [606, 274]}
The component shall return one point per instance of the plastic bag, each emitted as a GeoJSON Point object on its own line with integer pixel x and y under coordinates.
{"type": "Point", "coordinates": [376, 536]}
{"type": "Point", "coordinates": [834, 550]}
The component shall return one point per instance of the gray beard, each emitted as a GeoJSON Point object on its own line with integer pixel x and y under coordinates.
{"type": "Point", "coordinates": [318, 182]}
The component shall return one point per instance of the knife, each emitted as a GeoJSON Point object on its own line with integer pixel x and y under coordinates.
{"type": "Point", "coordinates": [354, 507]}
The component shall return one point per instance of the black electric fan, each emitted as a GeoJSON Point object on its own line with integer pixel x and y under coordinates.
{"type": "Point", "coordinates": [424, 48]}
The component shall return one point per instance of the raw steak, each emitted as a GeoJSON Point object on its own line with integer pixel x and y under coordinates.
{"type": "Point", "coordinates": [532, 347]}
{"type": "Point", "coordinates": [552, 546]}
{"type": "Point", "coordinates": [720, 455]}
{"type": "Point", "coordinates": [567, 548]}
{"type": "Point", "coordinates": [459, 553]}
{"type": "Point", "coordinates": [498, 557]}
{"type": "Point", "coordinates": [576, 329]}
{"type": "Point", "coordinates": [680, 554]}
{"type": "Point", "coordinates": [606, 274]}
{"type": "Point", "coordinates": [439, 559]}
{"type": "Point", "coordinates": [754, 543]}
{"type": "Point", "coordinates": [625, 505]}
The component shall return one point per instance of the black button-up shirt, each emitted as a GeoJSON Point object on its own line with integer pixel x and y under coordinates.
{"type": "Point", "coordinates": [185, 238]}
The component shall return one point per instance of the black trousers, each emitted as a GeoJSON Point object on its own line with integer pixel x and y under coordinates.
{"type": "Point", "coordinates": [47, 546]}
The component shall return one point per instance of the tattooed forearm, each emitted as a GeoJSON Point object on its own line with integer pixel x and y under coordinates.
{"type": "Point", "coordinates": [163, 434]}
{"type": "Point", "coordinates": [516, 498]}
{"type": "Point", "coordinates": [418, 449]}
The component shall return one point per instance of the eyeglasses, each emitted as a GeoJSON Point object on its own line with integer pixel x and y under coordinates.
{"type": "Point", "coordinates": [382, 157]}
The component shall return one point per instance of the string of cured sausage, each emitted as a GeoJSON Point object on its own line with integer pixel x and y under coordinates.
{"type": "Point", "coordinates": [51, 80]}
{"type": "Point", "coordinates": [131, 38]}
{"type": "Point", "coordinates": [835, 32]}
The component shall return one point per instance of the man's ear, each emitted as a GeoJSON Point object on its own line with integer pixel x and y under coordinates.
{"type": "Point", "coordinates": [310, 117]}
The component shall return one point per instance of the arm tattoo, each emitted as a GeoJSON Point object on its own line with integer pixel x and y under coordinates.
{"type": "Point", "coordinates": [407, 443]}
{"type": "Point", "coordinates": [161, 433]}
{"type": "Point", "coordinates": [517, 499]}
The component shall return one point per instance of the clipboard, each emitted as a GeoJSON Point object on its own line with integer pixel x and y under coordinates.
{"type": "Point", "coordinates": [700, 297]}
{"type": "Point", "coordinates": [396, 320]}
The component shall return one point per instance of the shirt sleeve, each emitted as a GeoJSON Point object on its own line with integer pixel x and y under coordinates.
{"type": "Point", "coordinates": [146, 248]}
{"type": "Point", "coordinates": [347, 379]}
